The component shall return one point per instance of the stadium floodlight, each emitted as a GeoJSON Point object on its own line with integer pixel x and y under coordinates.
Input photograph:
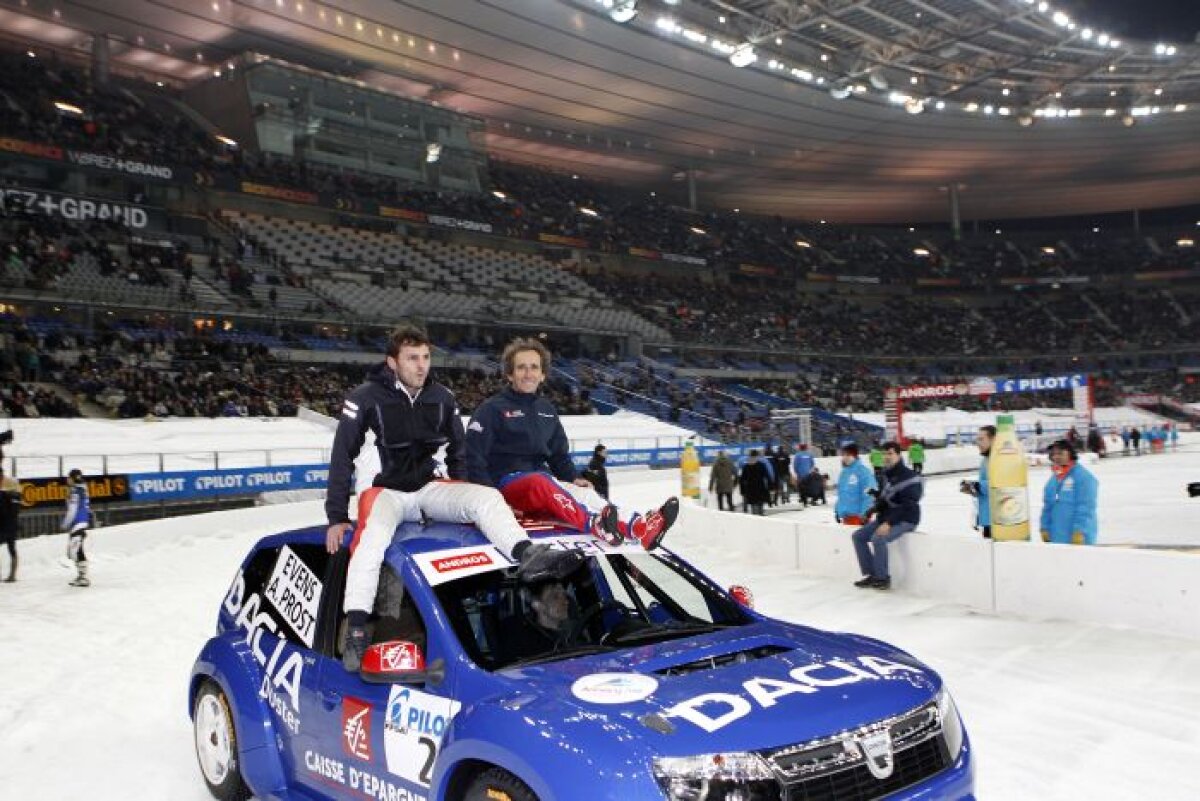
{"type": "Point", "coordinates": [588, 212]}
{"type": "Point", "coordinates": [914, 106]}
{"type": "Point", "coordinates": [1128, 120]}
{"type": "Point", "coordinates": [496, 193]}
{"type": "Point", "coordinates": [840, 91]}
{"type": "Point", "coordinates": [623, 11]}
{"type": "Point", "coordinates": [1025, 118]}
{"type": "Point", "coordinates": [878, 81]}
{"type": "Point", "coordinates": [68, 108]}
{"type": "Point", "coordinates": [433, 152]}
{"type": "Point", "coordinates": [225, 140]}
{"type": "Point", "coordinates": [1185, 243]}
{"type": "Point", "coordinates": [743, 55]}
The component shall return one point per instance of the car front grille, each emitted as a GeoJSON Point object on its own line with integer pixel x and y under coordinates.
{"type": "Point", "coordinates": [834, 768]}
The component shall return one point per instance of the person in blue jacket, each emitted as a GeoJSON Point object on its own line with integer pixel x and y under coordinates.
{"type": "Point", "coordinates": [897, 511]}
{"type": "Point", "coordinates": [1069, 500]}
{"type": "Point", "coordinates": [76, 522]}
{"type": "Point", "coordinates": [979, 489]}
{"type": "Point", "coordinates": [517, 444]}
{"type": "Point", "coordinates": [802, 463]}
{"type": "Point", "coordinates": [855, 482]}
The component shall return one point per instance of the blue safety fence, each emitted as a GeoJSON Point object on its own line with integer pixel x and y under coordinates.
{"type": "Point", "coordinates": [185, 485]}
{"type": "Point", "coordinates": [192, 484]}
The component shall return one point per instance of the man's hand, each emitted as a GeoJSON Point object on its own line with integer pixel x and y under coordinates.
{"type": "Point", "coordinates": [334, 536]}
{"type": "Point", "coordinates": [583, 482]}
{"type": "Point", "coordinates": [883, 529]}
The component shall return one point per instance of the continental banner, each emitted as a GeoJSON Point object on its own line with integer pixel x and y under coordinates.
{"type": "Point", "coordinates": [402, 214]}
{"type": "Point", "coordinates": [280, 193]}
{"type": "Point", "coordinates": [568, 241]}
{"type": "Point", "coordinates": [37, 150]}
{"type": "Point", "coordinates": [48, 492]}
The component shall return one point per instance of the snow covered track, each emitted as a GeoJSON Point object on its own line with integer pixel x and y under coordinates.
{"type": "Point", "coordinates": [94, 680]}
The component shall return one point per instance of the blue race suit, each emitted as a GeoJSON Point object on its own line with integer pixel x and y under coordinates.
{"type": "Point", "coordinates": [79, 510]}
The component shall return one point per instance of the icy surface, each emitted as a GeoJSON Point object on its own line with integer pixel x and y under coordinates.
{"type": "Point", "coordinates": [94, 681]}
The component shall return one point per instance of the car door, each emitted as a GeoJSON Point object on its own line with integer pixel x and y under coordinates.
{"type": "Point", "coordinates": [386, 737]}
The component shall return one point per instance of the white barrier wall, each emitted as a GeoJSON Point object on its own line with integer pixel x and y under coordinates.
{"type": "Point", "coordinates": [1152, 590]}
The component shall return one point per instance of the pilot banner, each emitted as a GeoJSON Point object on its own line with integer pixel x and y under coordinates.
{"type": "Point", "coordinates": [242, 481]}
{"type": "Point", "coordinates": [663, 457]}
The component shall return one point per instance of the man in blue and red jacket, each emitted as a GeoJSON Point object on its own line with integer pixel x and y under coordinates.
{"type": "Point", "coordinates": [516, 443]}
{"type": "Point", "coordinates": [897, 511]}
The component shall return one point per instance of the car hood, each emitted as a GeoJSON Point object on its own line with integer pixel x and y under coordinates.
{"type": "Point", "coordinates": [763, 685]}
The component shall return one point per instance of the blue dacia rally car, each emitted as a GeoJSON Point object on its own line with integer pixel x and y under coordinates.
{"type": "Point", "coordinates": [666, 687]}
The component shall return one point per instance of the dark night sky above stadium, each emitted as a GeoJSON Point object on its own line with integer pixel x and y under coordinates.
{"type": "Point", "coordinates": [1169, 20]}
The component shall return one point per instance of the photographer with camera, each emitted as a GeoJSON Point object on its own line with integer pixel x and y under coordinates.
{"type": "Point", "coordinates": [979, 489]}
{"type": "Point", "coordinates": [896, 512]}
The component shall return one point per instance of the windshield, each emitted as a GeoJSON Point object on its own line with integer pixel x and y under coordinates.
{"type": "Point", "coordinates": [616, 600]}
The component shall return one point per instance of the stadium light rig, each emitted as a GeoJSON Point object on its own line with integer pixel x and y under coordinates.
{"type": "Point", "coordinates": [433, 152]}
{"type": "Point", "coordinates": [743, 55]}
{"type": "Point", "coordinates": [622, 11]}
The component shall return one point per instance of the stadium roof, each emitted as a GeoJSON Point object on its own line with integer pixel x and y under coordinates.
{"type": "Point", "coordinates": [1030, 111]}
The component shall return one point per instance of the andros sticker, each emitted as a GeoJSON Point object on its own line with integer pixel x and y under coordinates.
{"type": "Point", "coordinates": [614, 688]}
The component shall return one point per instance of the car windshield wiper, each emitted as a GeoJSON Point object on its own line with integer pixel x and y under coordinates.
{"type": "Point", "coordinates": [565, 653]}
{"type": "Point", "coordinates": [674, 628]}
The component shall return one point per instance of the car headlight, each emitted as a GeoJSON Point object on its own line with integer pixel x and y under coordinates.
{"type": "Point", "coordinates": [717, 777]}
{"type": "Point", "coordinates": [952, 728]}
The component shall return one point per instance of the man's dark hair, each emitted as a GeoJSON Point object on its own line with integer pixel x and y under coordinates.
{"type": "Point", "coordinates": [509, 357]}
{"type": "Point", "coordinates": [989, 430]}
{"type": "Point", "coordinates": [75, 474]}
{"type": "Point", "coordinates": [406, 335]}
{"type": "Point", "coordinates": [851, 449]}
{"type": "Point", "coordinates": [599, 448]}
{"type": "Point", "coordinates": [894, 447]}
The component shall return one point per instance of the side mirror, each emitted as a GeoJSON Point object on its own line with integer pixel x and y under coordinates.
{"type": "Point", "coordinates": [400, 662]}
{"type": "Point", "coordinates": [742, 595]}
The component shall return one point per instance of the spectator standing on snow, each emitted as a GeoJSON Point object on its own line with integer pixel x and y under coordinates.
{"type": "Point", "coordinates": [916, 456]}
{"type": "Point", "coordinates": [722, 480]}
{"type": "Point", "coordinates": [1135, 436]}
{"type": "Point", "coordinates": [10, 510]}
{"type": "Point", "coordinates": [596, 472]}
{"type": "Point", "coordinates": [755, 484]}
{"type": "Point", "coordinates": [979, 489]}
{"type": "Point", "coordinates": [782, 467]}
{"type": "Point", "coordinates": [855, 483]}
{"type": "Point", "coordinates": [1069, 500]}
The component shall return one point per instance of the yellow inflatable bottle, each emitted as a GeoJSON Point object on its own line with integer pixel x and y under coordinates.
{"type": "Point", "coordinates": [689, 471]}
{"type": "Point", "coordinates": [1008, 483]}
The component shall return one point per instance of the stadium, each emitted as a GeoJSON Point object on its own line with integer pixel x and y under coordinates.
{"type": "Point", "coordinates": [742, 230]}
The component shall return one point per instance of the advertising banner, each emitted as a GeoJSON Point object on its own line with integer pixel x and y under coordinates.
{"type": "Point", "coordinates": [77, 208]}
{"type": "Point", "coordinates": [48, 492]}
{"type": "Point", "coordinates": [190, 484]}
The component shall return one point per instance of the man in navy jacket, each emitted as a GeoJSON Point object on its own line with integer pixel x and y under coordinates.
{"type": "Point", "coordinates": [516, 442]}
{"type": "Point", "coordinates": [897, 511]}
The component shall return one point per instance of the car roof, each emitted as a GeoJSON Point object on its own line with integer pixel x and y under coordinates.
{"type": "Point", "coordinates": [417, 538]}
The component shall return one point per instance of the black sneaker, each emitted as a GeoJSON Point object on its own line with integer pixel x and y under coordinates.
{"type": "Point", "coordinates": [356, 648]}
{"type": "Point", "coordinates": [881, 584]}
{"type": "Point", "coordinates": [866, 582]}
{"type": "Point", "coordinates": [538, 562]}
{"type": "Point", "coordinates": [606, 526]}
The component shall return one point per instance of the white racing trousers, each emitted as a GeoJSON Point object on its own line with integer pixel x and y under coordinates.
{"type": "Point", "coordinates": [381, 510]}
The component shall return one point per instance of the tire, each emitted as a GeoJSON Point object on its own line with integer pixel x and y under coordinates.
{"type": "Point", "coordinates": [497, 784]}
{"type": "Point", "coordinates": [215, 738]}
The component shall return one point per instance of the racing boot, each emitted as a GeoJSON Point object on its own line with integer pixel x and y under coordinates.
{"type": "Point", "coordinates": [356, 641]}
{"type": "Point", "coordinates": [81, 580]}
{"type": "Point", "coordinates": [606, 526]}
{"type": "Point", "coordinates": [537, 562]}
{"type": "Point", "coordinates": [651, 529]}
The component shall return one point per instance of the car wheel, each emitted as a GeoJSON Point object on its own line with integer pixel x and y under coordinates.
{"type": "Point", "coordinates": [216, 745]}
{"type": "Point", "coordinates": [497, 784]}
